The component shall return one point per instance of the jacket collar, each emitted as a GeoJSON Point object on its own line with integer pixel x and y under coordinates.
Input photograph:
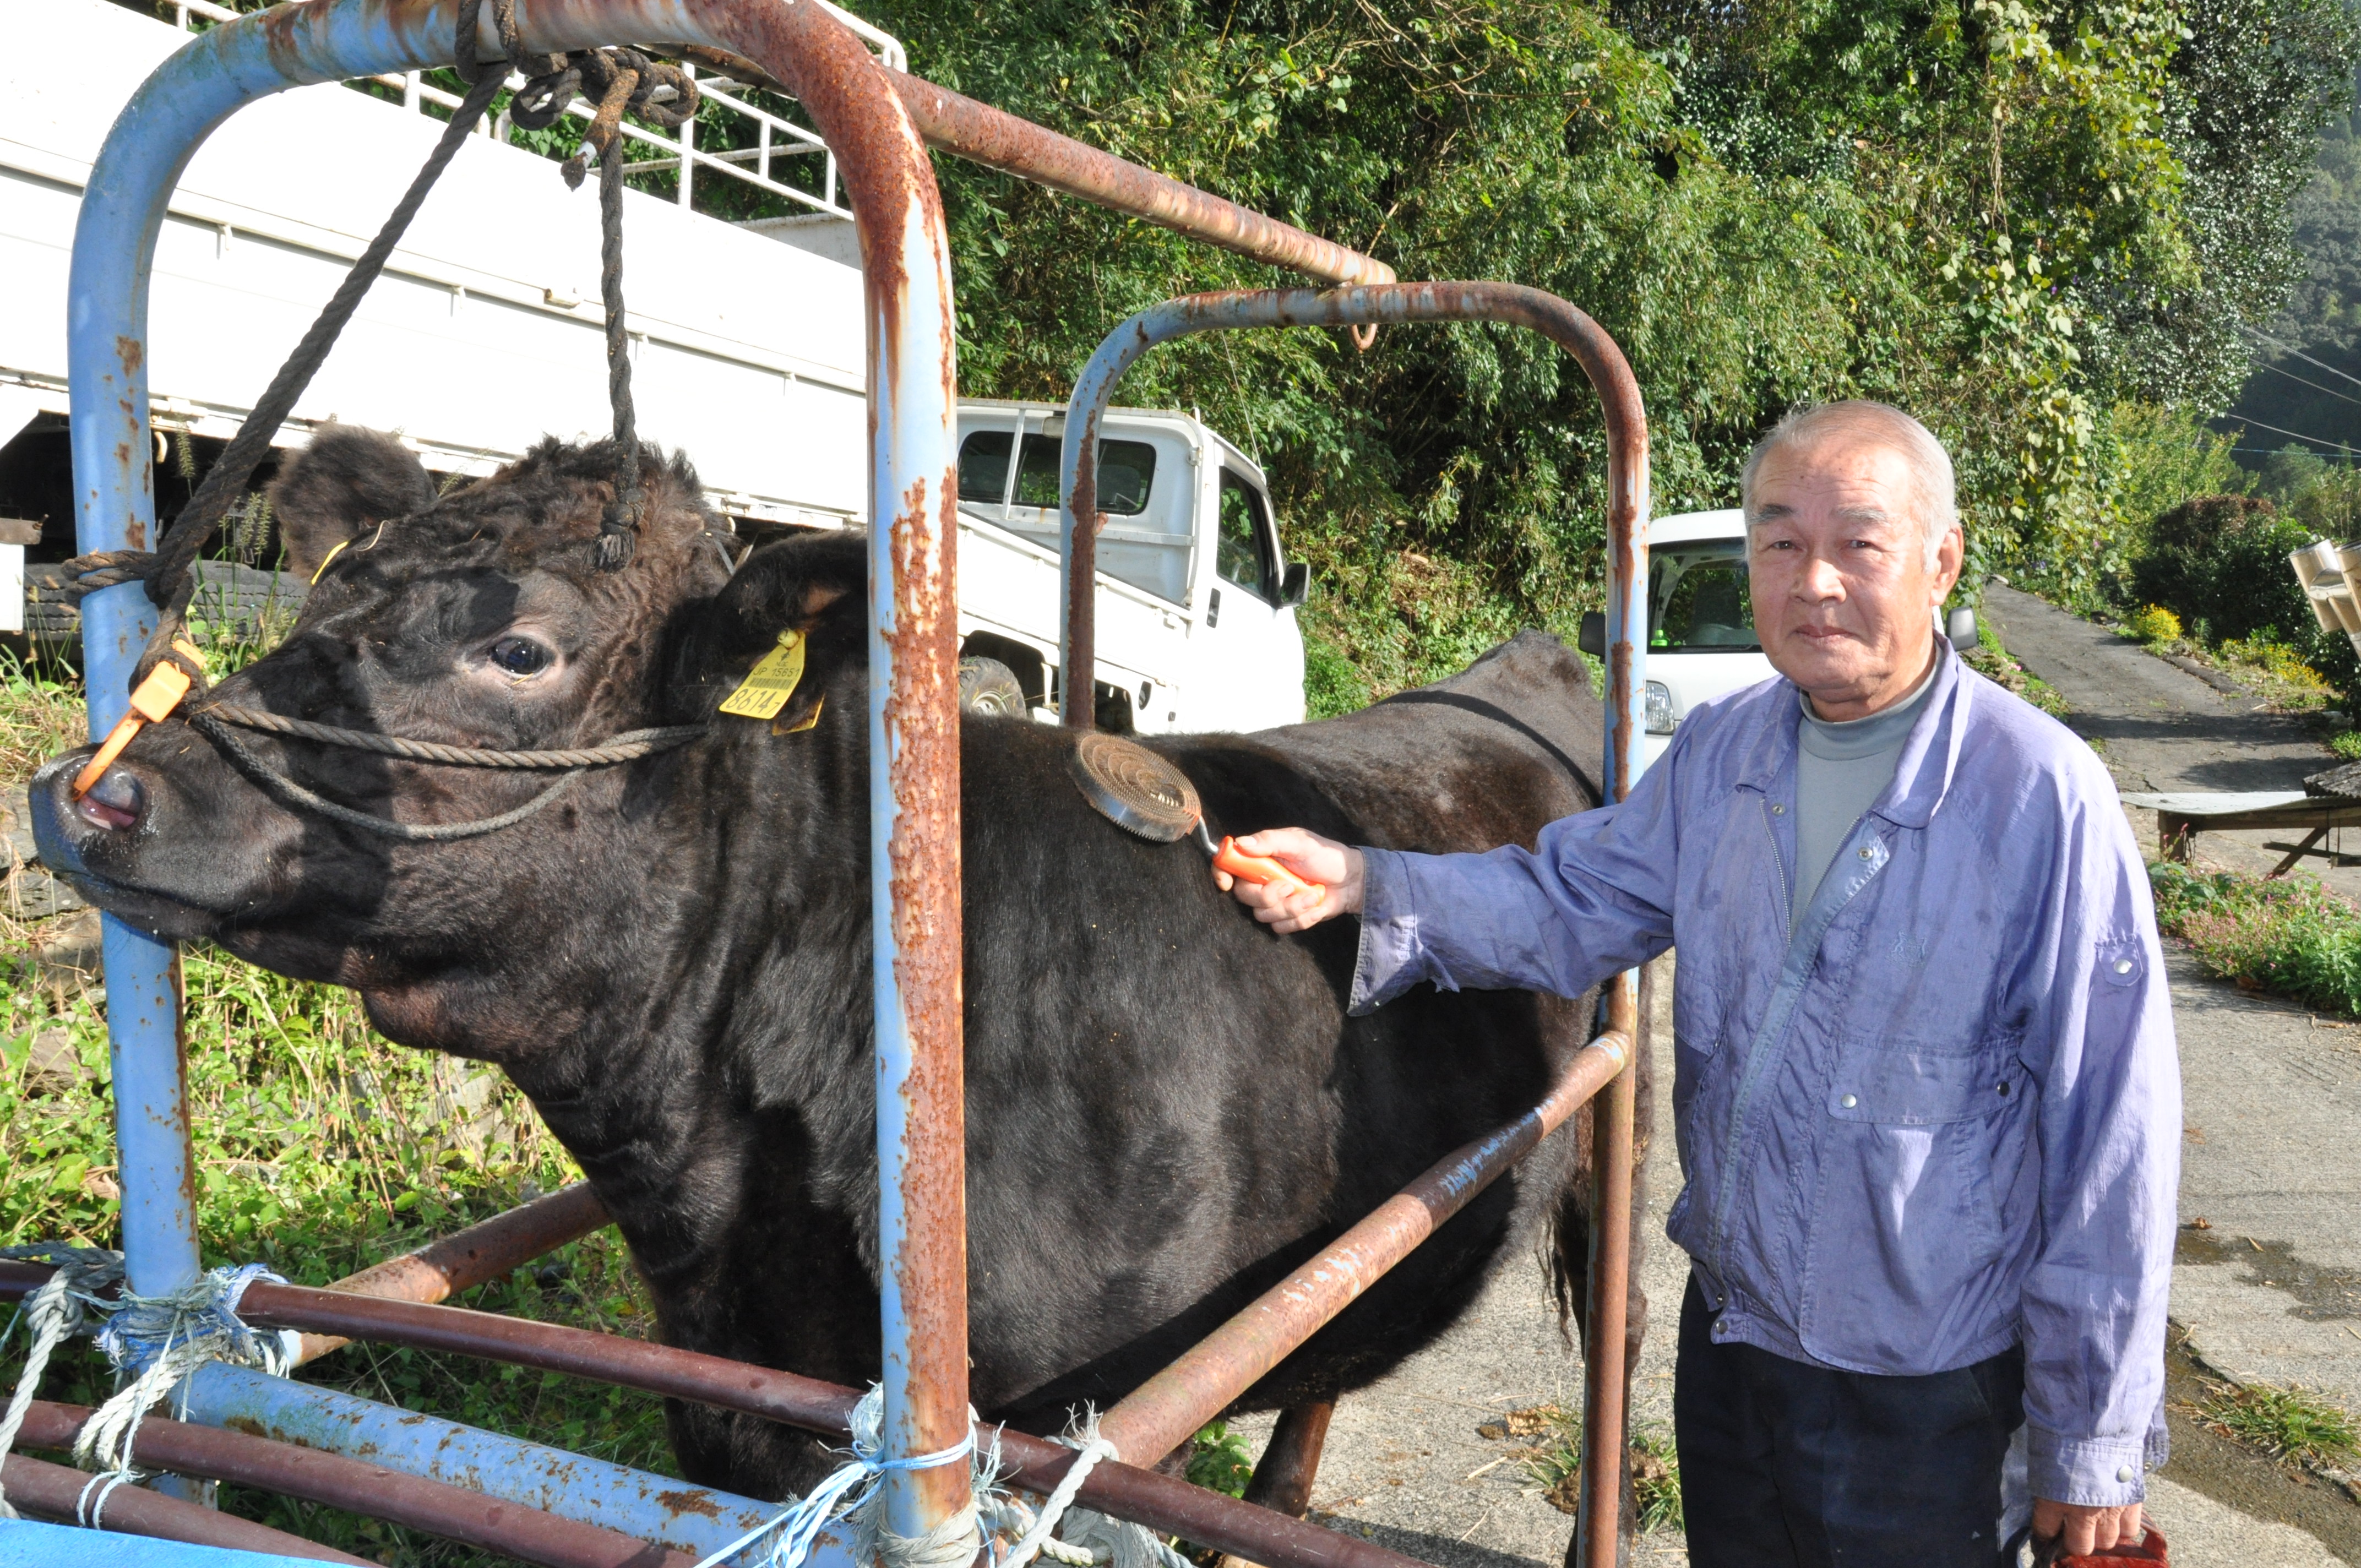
{"type": "Point", "coordinates": [1930, 757]}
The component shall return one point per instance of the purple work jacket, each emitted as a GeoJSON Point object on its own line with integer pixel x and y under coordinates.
{"type": "Point", "coordinates": [1942, 1119]}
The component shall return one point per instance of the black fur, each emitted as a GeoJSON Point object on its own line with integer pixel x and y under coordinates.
{"type": "Point", "coordinates": [346, 481]}
{"type": "Point", "coordinates": [1166, 1106]}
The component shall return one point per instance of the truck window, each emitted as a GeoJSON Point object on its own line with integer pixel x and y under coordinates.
{"type": "Point", "coordinates": [1243, 554]}
{"type": "Point", "coordinates": [1699, 599]}
{"type": "Point", "coordinates": [983, 466]}
{"type": "Point", "coordinates": [1126, 473]}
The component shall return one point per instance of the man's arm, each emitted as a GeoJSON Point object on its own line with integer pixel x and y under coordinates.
{"type": "Point", "coordinates": [2110, 1137]}
{"type": "Point", "coordinates": [1592, 897]}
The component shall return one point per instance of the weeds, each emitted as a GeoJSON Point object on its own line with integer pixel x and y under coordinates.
{"type": "Point", "coordinates": [2347, 743]}
{"type": "Point", "coordinates": [2294, 937]}
{"type": "Point", "coordinates": [2291, 1426]}
{"type": "Point", "coordinates": [1218, 1461]}
{"type": "Point", "coordinates": [1555, 1462]}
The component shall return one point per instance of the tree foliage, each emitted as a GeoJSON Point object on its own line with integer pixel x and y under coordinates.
{"type": "Point", "coordinates": [2013, 217]}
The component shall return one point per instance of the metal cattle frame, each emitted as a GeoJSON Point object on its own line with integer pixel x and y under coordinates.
{"type": "Point", "coordinates": [879, 124]}
{"type": "Point", "coordinates": [1604, 1418]}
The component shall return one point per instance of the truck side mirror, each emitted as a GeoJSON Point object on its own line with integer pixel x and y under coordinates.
{"type": "Point", "coordinates": [1961, 629]}
{"type": "Point", "coordinates": [1592, 638]}
{"type": "Point", "coordinates": [1295, 585]}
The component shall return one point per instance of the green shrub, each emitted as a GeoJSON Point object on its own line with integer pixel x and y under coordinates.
{"type": "Point", "coordinates": [2220, 564]}
{"type": "Point", "coordinates": [2153, 623]}
{"type": "Point", "coordinates": [2347, 743]}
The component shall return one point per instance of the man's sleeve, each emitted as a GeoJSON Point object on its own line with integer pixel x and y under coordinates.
{"type": "Point", "coordinates": [1592, 897]}
{"type": "Point", "coordinates": [2110, 1133]}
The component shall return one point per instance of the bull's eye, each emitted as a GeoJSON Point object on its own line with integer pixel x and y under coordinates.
{"type": "Point", "coordinates": [519, 655]}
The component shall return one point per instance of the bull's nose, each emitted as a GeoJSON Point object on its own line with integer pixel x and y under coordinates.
{"type": "Point", "coordinates": [115, 802]}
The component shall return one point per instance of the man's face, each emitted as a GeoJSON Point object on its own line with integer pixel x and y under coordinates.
{"type": "Point", "coordinates": [1843, 598]}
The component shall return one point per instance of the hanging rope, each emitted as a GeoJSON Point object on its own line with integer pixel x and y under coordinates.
{"type": "Point", "coordinates": [617, 80]}
{"type": "Point", "coordinates": [51, 1315]}
{"type": "Point", "coordinates": [171, 575]}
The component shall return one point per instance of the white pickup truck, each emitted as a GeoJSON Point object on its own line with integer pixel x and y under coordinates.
{"type": "Point", "coordinates": [485, 332]}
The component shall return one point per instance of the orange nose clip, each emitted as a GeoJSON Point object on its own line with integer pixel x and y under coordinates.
{"type": "Point", "coordinates": [1263, 870]}
{"type": "Point", "coordinates": [157, 695]}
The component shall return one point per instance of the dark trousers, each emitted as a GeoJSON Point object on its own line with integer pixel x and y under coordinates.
{"type": "Point", "coordinates": [1785, 1464]}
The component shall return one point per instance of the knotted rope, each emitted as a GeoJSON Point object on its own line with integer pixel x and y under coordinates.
{"type": "Point", "coordinates": [861, 1480]}
{"type": "Point", "coordinates": [1090, 1540]}
{"type": "Point", "coordinates": [158, 1339]}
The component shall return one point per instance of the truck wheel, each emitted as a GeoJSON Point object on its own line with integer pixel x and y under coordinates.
{"type": "Point", "coordinates": [990, 688]}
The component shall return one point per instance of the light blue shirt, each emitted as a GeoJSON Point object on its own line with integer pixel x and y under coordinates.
{"type": "Point", "coordinates": [1941, 1119]}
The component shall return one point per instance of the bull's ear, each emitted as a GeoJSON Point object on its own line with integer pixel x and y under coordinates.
{"type": "Point", "coordinates": [345, 484]}
{"type": "Point", "coordinates": [814, 586]}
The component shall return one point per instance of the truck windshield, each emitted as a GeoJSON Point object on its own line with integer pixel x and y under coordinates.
{"type": "Point", "coordinates": [1127, 470]}
{"type": "Point", "coordinates": [1698, 599]}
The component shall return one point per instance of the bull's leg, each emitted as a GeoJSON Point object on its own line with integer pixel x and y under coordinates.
{"type": "Point", "coordinates": [1284, 1475]}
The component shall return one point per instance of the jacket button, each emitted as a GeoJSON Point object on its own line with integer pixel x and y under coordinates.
{"type": "Point", "coordinates": [2123, 966]}
{"type": "Point", "coordinates": [1867, 853]}
{"type": "Point", "coordinates": [1778, 811]}
{"type": "Point", "coordinates": [2003, 1087]}
{"type": "Point", "coordinates": [1848, 1102]}
{"type": "Point", "coordinates": [2124, 1474]}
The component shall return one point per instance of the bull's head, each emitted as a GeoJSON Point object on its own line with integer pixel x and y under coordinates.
{"type": "Point", "coordinates": [478, 619]}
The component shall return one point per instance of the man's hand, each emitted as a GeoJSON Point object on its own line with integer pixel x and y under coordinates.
{"type": "Point", "coordinates": [1336, 867]}
{"type": "Point", "coordinates": [2086, 1529]}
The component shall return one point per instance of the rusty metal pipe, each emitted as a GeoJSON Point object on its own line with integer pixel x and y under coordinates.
{"type": "Point", "coordinates": [1609, 374]}
{"type": "Point", "coordinates": [1163, 1412]}
{"type": "Point", "coordinates": [465, 1259]}
{"type": "Point", "coordinates": [1606, 1449]}
{"type": "Point", "coordinates": [997, 139]}
{"type": "Point", "coordinates": [1125, 1491]}
{"type": "Point", "coordinates": [450, 1512]}
{"type": "Point", "coordinates": [51, 1491]}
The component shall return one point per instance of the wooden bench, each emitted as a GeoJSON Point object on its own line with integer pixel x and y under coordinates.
{"type": "Point", "coordinates": [2181, 816]}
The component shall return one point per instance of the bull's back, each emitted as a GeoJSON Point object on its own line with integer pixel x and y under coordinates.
{"type": "Point", "coordinates": [1485, 757]}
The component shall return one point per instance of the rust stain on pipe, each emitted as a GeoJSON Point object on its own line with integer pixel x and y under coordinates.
{"type": "Point", "coordinates": [997, 139]}
{"type": "Point", "coordinates": [1163, 1412]}
{"type": "Point", "coordinates": [464, 1259]}
{"type": "Point", "coordinates": [451, 1512]}
{"type": "Point", "coordinates": [1604, 1419]}
{"type": "Point", "coordinates": [50, 1492]}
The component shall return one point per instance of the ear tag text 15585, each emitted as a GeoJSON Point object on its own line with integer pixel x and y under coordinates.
{"type": "Point", "coordinates": [770, 681]}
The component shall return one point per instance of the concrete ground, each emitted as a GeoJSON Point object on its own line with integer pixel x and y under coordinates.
{"type": "Point", "coordinates": [2270, 1291]}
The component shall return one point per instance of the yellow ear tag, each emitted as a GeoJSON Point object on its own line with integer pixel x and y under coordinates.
{"type": "Point", "coordinates": [770, 681]}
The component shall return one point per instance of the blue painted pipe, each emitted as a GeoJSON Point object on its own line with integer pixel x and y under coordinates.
{"type": "Point", "coordinates": [25, 1544]}
{"type": "Point", "coordinates": [696, 1519]}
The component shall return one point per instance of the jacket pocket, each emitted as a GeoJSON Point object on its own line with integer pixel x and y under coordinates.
{"type": "Point", "coordinates": [1907, 1258]}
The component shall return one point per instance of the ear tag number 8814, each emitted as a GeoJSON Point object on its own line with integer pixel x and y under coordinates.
{"type": "Point", "coordinates": [772, 681]}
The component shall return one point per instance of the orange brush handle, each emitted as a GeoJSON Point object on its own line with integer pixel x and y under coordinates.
{"type": "Point", "coordinates": [1262, 869]}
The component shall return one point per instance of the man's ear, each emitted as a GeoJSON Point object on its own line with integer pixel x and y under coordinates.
{"type": "Point", "coordinates": [815, 588]}
{"type": "Point", "coordinates": [344, 485]}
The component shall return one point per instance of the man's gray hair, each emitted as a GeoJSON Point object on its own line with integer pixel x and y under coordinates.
{"type": "Point", "coordinates": [1807, 424]}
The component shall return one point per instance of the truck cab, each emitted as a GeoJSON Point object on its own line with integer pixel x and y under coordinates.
{"type": "Point", "coordinates": [1196, 599]}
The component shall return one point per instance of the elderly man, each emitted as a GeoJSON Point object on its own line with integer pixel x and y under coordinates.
{"type": "Point", "coordinates": [1928, 1099]}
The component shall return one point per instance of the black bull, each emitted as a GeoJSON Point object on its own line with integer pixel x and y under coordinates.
{"type": "Point", "coordinates": [1166, 1107]}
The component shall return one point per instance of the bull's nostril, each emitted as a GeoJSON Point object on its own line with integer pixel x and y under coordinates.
{"type": "Point", "coordinates": [115, 801]}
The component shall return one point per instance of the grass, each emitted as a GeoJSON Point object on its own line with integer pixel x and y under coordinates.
{"type": "Point", "coordinates": [2292, 936]}
{"type": "Point", "coordinates": [321, 1147]}
{"type": "Point", "coordinates": [1556, 1464]}
{"type": "Point", "coordinates": [2290, 1425]}
{"type": "Point", "coordinates": [1989, 659]}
